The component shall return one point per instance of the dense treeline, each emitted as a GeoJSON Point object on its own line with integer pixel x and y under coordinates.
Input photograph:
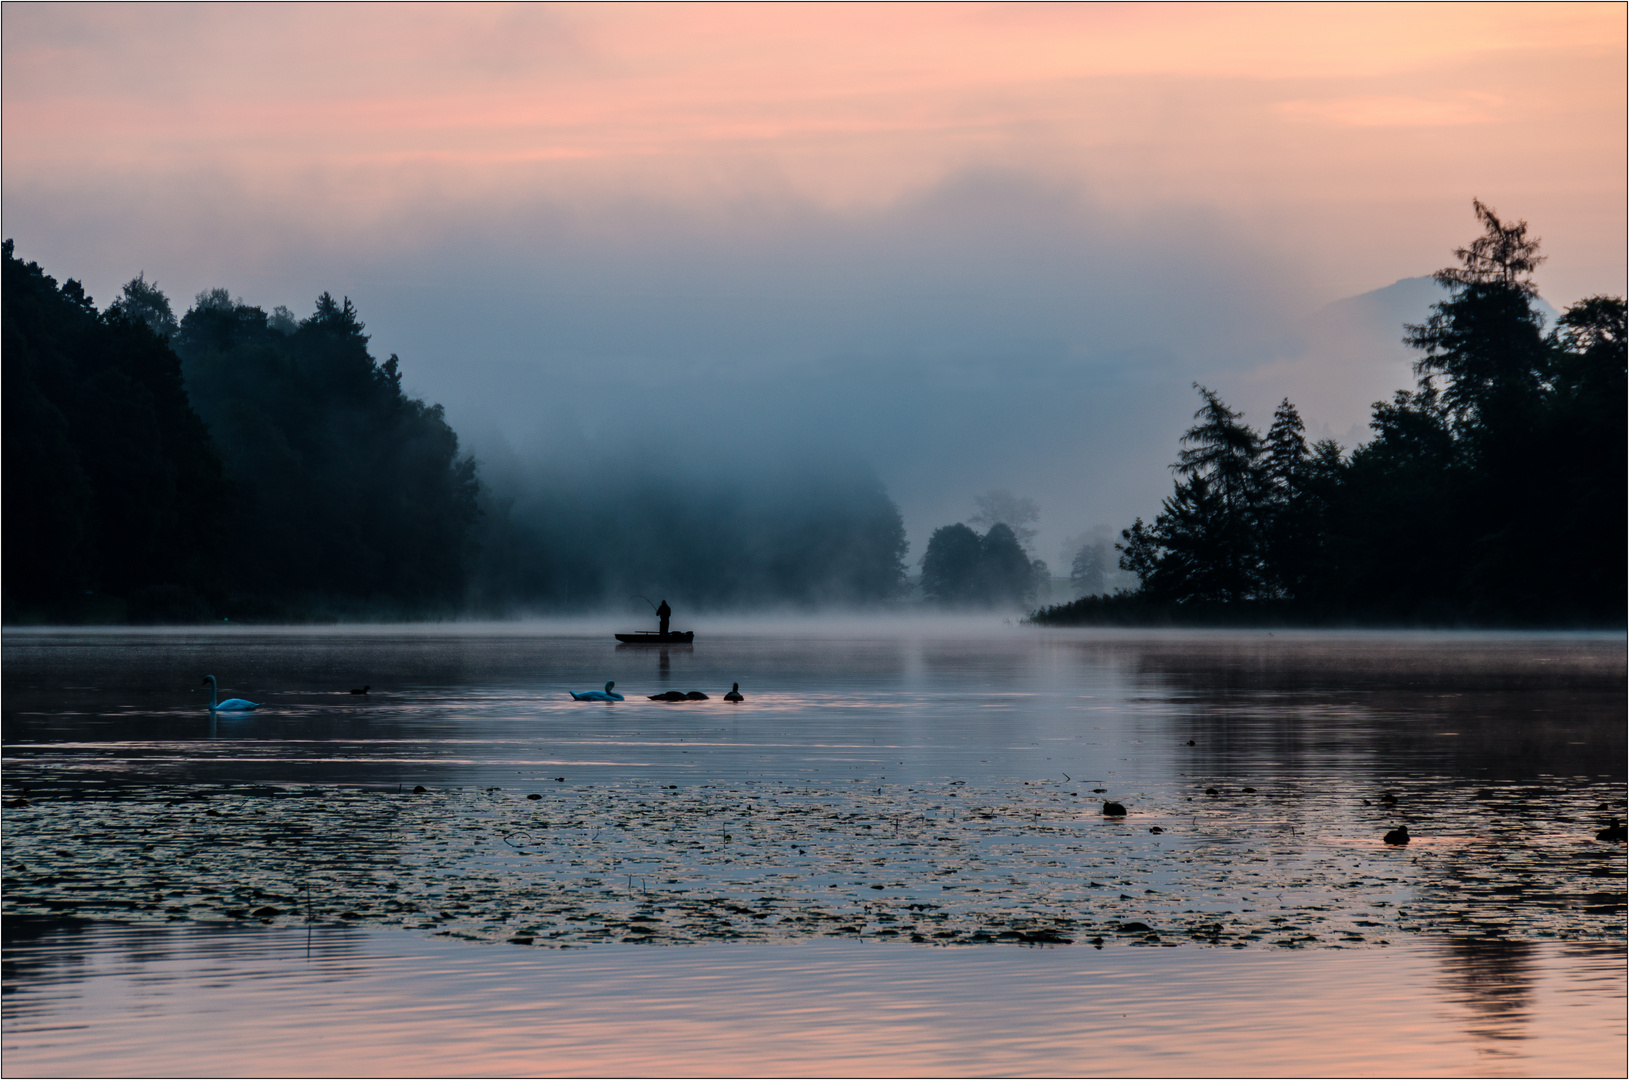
{"type": "Point", "coordinates": [239, 464]}
{"type": "Point", "coordinates": [231, 464]}
{"type": "Point", "coordinates": [348, 493]}
{"type": "Point", "coordinates": [1492, 494]}
{"type": "Point", "coordinates": [111, 480]}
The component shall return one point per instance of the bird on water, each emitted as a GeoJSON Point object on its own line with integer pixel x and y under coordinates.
{"type": "Point", "coordinates": [1113, 809]}
{"type": "Point", "coordinates": [361, 689]}
{"type": "Point", "coordinates": [1397, 837]}
{"type": "Point", "coordinates": [735, 693]}
{"type": "Point", "coordinates": [234, 704]}
{"type": "Point", "coordinates": [1614, 831]}
{"type": "Point", "coordinates": [597, 695]}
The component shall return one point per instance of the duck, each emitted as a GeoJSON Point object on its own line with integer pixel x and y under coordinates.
{"type": "Point", "coordinates": [735, 693]}
{"type": "Point", "coordinates": [678, 695]}
{"type": "Point", "coordinates": [362, 690]}
{"type": "Point", "coordinates": [1397, 837]}
{"type": "Point", "coordinates": [597, 695]}
{"type": "Point", "coordinates": [1614, 831]}
{"type": "Point", "coordinates": [233, 704]}
{"type": "Point", "coordinates": [1113, 809]}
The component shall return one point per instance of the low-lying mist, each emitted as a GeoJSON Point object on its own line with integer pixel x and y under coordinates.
{"type": "Point", "coordinates": [685, 525]}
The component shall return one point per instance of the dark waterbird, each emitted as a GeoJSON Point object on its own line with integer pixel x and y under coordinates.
{"type": "Point", "coordinates": [675, 695]}
{"type": "Point", "coordinates": [362, 689]}
{"type": "Point", "coordinates": [1113, 809]}
{"type": "Point", "coordinates": [1397, 837]}
{"type": "Point", "coordinates": [735, 693]}
{"type": "Point", "coordinates": [1614, 831]}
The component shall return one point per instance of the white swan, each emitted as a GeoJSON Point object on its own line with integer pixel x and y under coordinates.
{"type": "Point", "coordinates": [597, 695]}
{"type": "Point", "coordinates": [231, 704]}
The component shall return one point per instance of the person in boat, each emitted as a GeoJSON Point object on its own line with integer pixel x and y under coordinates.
{"type": "Point", "coordinates": [663, 613]}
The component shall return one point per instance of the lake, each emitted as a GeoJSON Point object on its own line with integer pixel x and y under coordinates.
{"type": "Point", "coordinates": [892, 856]}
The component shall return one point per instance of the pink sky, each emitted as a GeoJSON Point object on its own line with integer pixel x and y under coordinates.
{"type": "Point", "coordinates": [1361, 130]}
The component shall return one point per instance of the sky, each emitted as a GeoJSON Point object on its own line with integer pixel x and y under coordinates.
{"type": "Point", "coordinates": [978, 246]}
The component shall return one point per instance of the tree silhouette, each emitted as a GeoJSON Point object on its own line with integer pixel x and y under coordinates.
{"type": "Point", "coordinates": [350, 492]}
{"type": "Point", "coordinates": [962, 568]}
{"type": "Point", "coordinates": [950, 566]}
{"type": "Point", "coordinates": [1211, 520]}
{"type": "Point", "coordinates": [111, 482]}
{"type": "Point", "coordinates": [145, 302]}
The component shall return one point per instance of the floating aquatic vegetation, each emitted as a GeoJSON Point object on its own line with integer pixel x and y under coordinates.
{"type": "Point", "coordinates": [947, 862]}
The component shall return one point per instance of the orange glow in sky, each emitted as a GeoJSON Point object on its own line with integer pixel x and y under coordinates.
{"type": "Point", "coordinates": [1286, 117]}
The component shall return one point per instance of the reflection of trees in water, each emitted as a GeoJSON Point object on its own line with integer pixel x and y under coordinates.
{"type": "Point", "coordinates": [1493, 979]}
{"type": "Point", "coordinates": [26, 956]}
{"type": "Point", "coordinates": [46, 958]}
{"type": "Point", "coordinates": [1513, 709]}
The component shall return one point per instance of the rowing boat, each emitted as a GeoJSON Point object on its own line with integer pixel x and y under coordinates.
{"type": "Point", "coordinates": [651, 637]}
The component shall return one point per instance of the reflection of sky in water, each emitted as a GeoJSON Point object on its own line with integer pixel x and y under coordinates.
{"type": "Point", "coordinates": [880, 783]}
{"type": "Point", "coordinates": [181, 1001]}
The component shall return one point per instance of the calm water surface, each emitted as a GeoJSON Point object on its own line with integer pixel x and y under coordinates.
{"type": "Point", "coordinates": [885, 788]}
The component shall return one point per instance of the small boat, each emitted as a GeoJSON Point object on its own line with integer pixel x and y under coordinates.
{"type": "Point", "coordinates": [651, 637]}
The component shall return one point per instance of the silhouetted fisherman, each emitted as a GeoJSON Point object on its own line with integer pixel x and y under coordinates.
{"type": "Point", "coordinates": [663, 613]}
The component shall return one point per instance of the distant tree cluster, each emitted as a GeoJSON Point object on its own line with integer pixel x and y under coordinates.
{"type": "Point", "coordinates": [1493, 493]}
{"type": "Point", "coordinates": [963, 569]}
{"type": "Point", "coordinates": [1094, 568]}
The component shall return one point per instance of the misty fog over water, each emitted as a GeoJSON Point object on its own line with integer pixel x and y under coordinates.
{"type": "Point", "coordinates": [774, 539]}
{"type": "Point", "coordinates": [1482, 496]}
{"type": "Point", "coordinates": [994, 333]}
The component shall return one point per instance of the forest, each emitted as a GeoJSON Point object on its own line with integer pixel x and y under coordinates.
{"type": "Point", "coordinates": [234, 464]}
{"type": "Point", "coordinates": [1491, 494]}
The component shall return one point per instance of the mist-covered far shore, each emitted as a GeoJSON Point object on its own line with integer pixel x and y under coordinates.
{"type": "Point", "coordinates": [229, 463]}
